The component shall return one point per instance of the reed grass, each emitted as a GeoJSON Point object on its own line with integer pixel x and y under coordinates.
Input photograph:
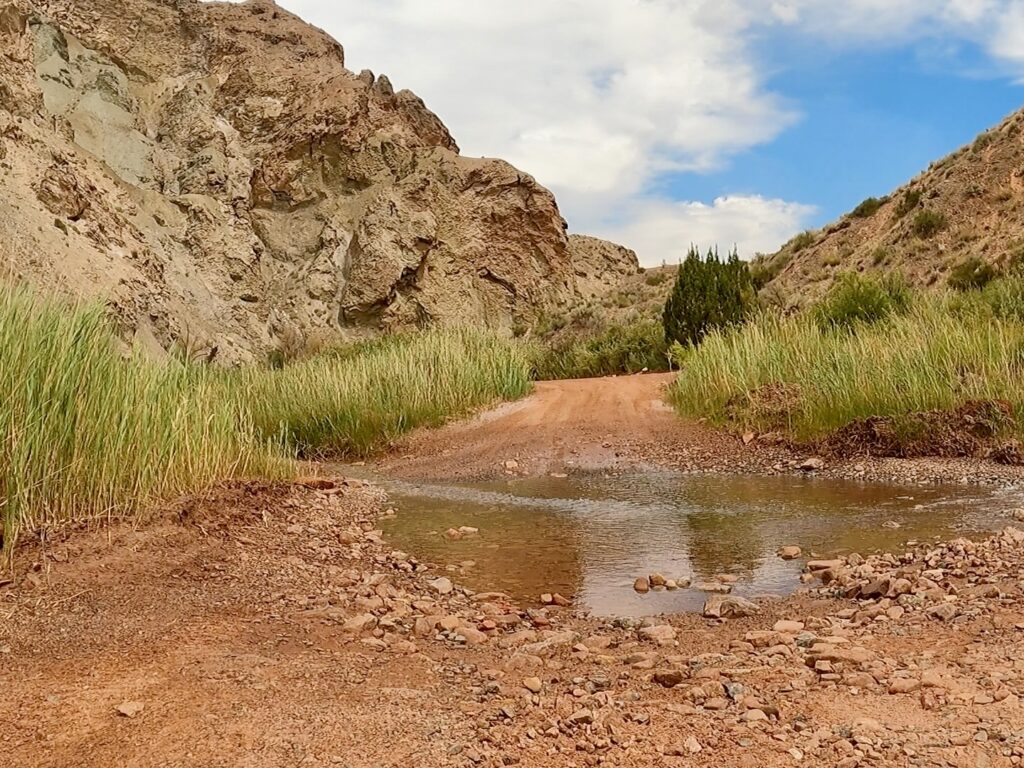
{"type": "Point", "coordinates": [354, 401]}
{"type": "Point", "coordinates": [86, 433]}
{"type": "Point", "coordinates": [792, 374]}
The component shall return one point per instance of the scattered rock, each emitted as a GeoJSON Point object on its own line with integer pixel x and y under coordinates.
{"type": "Point", "coordinates": [729, 606]}
{"type": "Point", "coordinates": [533, 684]}
{"type": "Point", "coordinates": [442, 585]}
{"type": "Point", "coordinates": [669, 678]}
{"type": "Point", "coordinates": [813, 464]}
{"type": "Point", "coordinates": [130, 709]}
{"type": "Point", "coordinates": [790, 553]}
{"type": "Point", "coordinates": [642, 585]}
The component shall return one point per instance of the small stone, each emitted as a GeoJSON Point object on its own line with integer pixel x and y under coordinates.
{"type": "Point", "coordinates": [789, 627]}
{"type": "Point", "coordinates": [656, 580]}
{"type": "Point", "coordinates": [533, 684]}
{"type": "Point", "coordinates": [642, 585]}
{"type": "Point", "coordinates": [668, 678]}
{"type": "Point", "coordinates": [662, 634]}
{"type": "Point", "coordinates": [904, 685]}
{"type": "Point", "coordinates": [725, 606]}
{"type": "Point", "coordinates": [443, 585]}
{"type": "Point", "coordinates": [582, 717]}
{"type": "Point", "coordinates": [693, 746]}
{"type": "Point", "coordinates": [813, 464]}
{"type": "Point", "coordinates": [790, 553]}
{"type": "Point", "coordinates": [511, 465]}
{"type": "Point", "coordinates": [130, 709]}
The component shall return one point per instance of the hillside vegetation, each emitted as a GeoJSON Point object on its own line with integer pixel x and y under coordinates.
{"type": "Point", "coordinates": [965, 208]}
{"type": "Point", "coordinates": [87, 434]}
{"type": "Point", "coordinates": [871, 368]}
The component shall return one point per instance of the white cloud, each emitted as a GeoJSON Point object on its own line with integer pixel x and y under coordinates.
{"type": "Point", "coordinates": [664, 230]}
{"type": "Point", "coordinates": [598, 98]}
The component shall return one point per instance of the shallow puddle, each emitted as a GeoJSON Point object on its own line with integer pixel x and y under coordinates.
{"type": "Point", "coordinates": [591, 536]}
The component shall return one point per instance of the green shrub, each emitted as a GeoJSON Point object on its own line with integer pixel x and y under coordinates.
{"type": "Point", "coordinates": [630, 347]}
{"type": "Point", "coordinates": [928, 223]}
{"type": "Point", "coordinates": [867, 208]}
{"type": "Point", "coordinates": [801, 242]}
{"type": "Point", "coordinates": [859, 299]}
{"type": "Point", "coordinates": [910, 200]}
{"type": "Point", "coordinates": [971, 274]}
{"type": "Point", "coordinates": [708, 293]}
{"type": "Point", "coordinates": [764, 269]}
{"type": "Point", "coordinates": [784, 372]}
{"type": "Point", "coordinates": [87, 434]}
{"type": "Point", "coordinates": [880, 256]}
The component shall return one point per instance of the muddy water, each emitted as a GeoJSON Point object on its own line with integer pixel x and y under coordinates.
{"type": "Point", "coordinates": [591, 536]}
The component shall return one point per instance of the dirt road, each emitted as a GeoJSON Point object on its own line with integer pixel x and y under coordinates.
{"type": "Point", "coordinates": [623, 422]}
{"type": "Point", "coordinates": [586, 424]}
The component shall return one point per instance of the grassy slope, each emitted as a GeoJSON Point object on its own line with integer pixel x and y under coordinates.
{"type": "Point", "coordinates": [85, 433]}
{"type": "Point", "coordinates": [791, 374]}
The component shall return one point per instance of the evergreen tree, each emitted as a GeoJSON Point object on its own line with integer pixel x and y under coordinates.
{"type": "Point", "coordinates": [708, 293]}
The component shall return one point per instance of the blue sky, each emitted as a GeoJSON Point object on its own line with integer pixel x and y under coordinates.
{"type": "Point", "coordinates": [870, 120]}
{"type": "Point", "coordinates": [658, 123]}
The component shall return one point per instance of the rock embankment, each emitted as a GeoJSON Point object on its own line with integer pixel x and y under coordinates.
{"type": "Point", "coordinates": [216, 174]}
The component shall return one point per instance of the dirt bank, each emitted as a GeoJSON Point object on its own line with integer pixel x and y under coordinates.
{"type": "Point", "coordinates": [621, 423]}
{"type": "Point", "coordinates": [267, 626]}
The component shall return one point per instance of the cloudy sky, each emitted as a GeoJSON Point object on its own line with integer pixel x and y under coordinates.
{"type": "Point", "coordinates": [664, 122]}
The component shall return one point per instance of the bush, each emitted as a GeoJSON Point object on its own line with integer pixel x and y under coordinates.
{"type": "Point", "coordinates": [764, 269]}
{"type": "Point", "coordinates": [971, 274]}
{"type": "Point", "coordinates": [631, 347]}
{"type": "Point", "coordinates": [87, 434]}
{"type": "Point", "coordinates": [928, 223]}
{"type": "Point", "coordinates": [708, 294]}
{"type": "Point", "coordinates": [867, 208]}
{"type": "Point", "coordinates": [801, 242]}
{"type": "Point", "coordinates": [910, 200]}
{"type": "Point", "coordinates": [786, 373]}
{"type": "Point", "coordinates": [858, 299]}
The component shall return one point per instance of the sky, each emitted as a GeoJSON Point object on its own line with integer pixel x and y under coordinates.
{"type": "Point", "coordinates": [661, 123]}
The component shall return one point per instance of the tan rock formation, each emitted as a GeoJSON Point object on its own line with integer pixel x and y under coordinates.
{"type": "Point", "coordinates": [216, 175]}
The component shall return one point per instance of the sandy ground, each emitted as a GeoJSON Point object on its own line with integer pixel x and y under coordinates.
{"type": "Point", "coordinates": [272, 626]}
{"type": "Point", "coordinates": [624, 423]}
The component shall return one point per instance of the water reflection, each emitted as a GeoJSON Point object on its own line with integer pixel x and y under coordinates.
{"type": "Point", "coordinates": [591, 535]}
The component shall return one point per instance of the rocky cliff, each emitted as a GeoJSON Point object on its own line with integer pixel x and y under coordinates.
{"type": "Point", "coordinates": [967, 205]}
{"type": "Point", "coordinates": [215, 174]}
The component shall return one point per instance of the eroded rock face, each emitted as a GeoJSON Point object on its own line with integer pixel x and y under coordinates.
{"type": "Point", "coordinates": [216, 175]}
{"type": "Point", "coordinates": [599, 265]}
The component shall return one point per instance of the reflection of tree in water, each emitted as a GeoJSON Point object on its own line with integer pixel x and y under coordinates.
{"type": "Point", "coordinates": [723, 527]}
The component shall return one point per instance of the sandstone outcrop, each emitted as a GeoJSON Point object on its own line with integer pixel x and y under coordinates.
{"type": "Point", "coordinates": [215, 174]}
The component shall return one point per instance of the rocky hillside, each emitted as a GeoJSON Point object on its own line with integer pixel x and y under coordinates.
{"type": "Point", "coordinates": [968, 205]}
{"type": "Point", "coordinates": [217, 176]}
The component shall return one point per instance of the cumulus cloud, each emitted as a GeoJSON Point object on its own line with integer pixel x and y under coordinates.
{"type": "Point", "coordinates": [751, 223]}
{"type": "Point", "coordinates": [600, 98]}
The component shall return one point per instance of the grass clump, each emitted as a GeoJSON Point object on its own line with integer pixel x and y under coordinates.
{"type": "Point", "coordinates": [630, 347]}
{"type": "Point", "coordinates": [354, 400]}
{"type": "Point", "coordinates": [857, 299]}
{"type": "Point", "coordinates": [789, 373]}
{"type": "Point", "coordinates": [910, 200]}
{"type": "Point", "coordinates": [928, 223]}
{"type": "Point", "coordinates": [801, 242]}
{"type": "Point", "coordinates": [867, 208]}
{"type": "Point", "coordinates": [87, 434]}
{"type": "Point", "coordinates": [971, 274]}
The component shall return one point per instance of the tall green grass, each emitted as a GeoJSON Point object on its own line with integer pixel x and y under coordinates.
{"type": "Point", "coordinates": [792, 374]}
{"type": "Point", "coordinates": [356, 401]}
{"type": "Point", "coordinates": [86, 433]}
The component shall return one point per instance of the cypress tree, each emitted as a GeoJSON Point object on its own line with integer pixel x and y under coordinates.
{"type": "Point", "coordinates": [708, 293]}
